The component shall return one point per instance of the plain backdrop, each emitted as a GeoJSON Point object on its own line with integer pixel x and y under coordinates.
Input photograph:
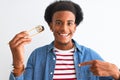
{"type": "Point", "coordinates": [99, 29]}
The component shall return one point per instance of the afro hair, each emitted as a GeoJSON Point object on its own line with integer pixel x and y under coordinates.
{"type": "Point", "coordinates": [63, 6]}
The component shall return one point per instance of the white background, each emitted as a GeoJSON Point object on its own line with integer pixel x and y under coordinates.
{"type": "Point", "coordinates": [99, 29]}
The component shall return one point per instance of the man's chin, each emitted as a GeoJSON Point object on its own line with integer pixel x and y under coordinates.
{"type": "Point", "coordinates": [64, 42]}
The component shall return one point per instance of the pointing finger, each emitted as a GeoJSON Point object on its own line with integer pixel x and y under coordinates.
{"type": "Point", "coordinates": [86, 63]}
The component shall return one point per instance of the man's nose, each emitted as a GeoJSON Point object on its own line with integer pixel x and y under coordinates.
{"type": "Point", "coordinates": [64, 27]}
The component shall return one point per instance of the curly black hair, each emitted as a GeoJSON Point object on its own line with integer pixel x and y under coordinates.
{"type": "Point", "coordinates": [63, 6]}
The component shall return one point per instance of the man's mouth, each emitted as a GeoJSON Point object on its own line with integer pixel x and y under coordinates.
{"type": "Point", "coordinates": [64, 35]}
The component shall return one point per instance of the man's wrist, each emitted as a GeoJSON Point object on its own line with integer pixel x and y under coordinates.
{"type": "Point", "coordinates": [18, 69]}
{"type": "Point", "coordinates": [119, 75]}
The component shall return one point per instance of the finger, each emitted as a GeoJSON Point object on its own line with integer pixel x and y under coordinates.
{"type": "Point", "coordinates": [18, 36]}
{"type": "Point", "coordinates": [23, 34]}
{"type": "Point", "coordinates": [86, 63]}
{"type": "Point", "coordinates": [23, 43]}
{"type": "Point", "coordinates": [23, 40]}
{"type": "Point", "coordinates": [94, 68]}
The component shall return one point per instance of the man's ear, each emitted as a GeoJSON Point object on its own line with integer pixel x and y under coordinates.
{"type": "Point", "coordinates": [51, 26]}
{"type": "Point", "coordinates": [75, 27]}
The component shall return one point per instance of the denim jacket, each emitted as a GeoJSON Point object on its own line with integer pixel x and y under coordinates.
{"type": "Point", "coordinates": [41, 64]}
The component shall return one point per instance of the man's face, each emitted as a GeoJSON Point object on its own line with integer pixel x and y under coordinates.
{"type": "Point", "coordinates": [63, 26]}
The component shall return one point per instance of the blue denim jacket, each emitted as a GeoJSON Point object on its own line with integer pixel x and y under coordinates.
{"type": "Point", "coordinates": [41, 64]}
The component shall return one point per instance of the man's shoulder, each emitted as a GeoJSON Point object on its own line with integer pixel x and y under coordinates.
{"type": "Point", "coordinates": [81, 47]}
{"type": "Point", "coordinates": [44, 48]}
{"type": "Point", "coordinates": [86, 51]}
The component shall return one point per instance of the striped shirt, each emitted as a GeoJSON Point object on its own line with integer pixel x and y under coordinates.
{"type": "Point", "coordinates": [64, 68]}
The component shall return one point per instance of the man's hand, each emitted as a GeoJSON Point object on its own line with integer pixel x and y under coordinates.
{"type": "Point", "coordinates": [100, 68]}
{"type": "Point", "coordinates": [17, 48]}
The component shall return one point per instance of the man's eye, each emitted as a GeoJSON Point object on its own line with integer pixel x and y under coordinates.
{"type": "Point", "coordinates": [58, 23]}
{"type": "Point", "coordinates": [70, 24]}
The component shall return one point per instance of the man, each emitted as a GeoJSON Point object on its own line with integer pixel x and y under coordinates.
{"type": "Point", "coordinates": [64, 58]}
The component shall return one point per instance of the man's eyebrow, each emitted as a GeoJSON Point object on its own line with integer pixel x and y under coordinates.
{"type": "Point", "coordinates": [58, 20]}
{"type": "Point", "coordinates": [71, 21]}
{"type": "Point", "coordinates": [67, 20]}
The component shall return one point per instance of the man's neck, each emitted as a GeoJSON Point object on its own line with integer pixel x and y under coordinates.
{"type": "Point", "coordinates": [66, 46]}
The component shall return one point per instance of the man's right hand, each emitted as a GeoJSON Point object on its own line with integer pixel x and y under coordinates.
{"type": "Point", "coordinates": [17, 48]}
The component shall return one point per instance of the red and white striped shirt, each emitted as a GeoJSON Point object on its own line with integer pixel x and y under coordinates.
{"type": "Point", "coordinates": [64, 68]}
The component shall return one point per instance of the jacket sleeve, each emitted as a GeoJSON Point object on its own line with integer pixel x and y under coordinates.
{"type": "Point", "coordinates": [12, 77]}
{"type": "Point", "coordinates": [106, 78]}
{"type": "Point", "coordinates": [28, 73]}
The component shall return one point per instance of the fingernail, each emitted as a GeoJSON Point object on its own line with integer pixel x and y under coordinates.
{"type": "Point", "coordinates": [79, 65]}
{"type": "Point", "coordinates": [26, 37]}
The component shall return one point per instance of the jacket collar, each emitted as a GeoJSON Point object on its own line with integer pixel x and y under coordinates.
{"type": "Point", "coordinates": [77, 46]}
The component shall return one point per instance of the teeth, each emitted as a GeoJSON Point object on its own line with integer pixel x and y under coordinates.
{"type": "Point", "coordinates": [63, 34]}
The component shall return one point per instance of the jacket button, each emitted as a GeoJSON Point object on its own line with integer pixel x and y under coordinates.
{"type": "Point", "coordinates": [53, 58]}
{"type": "Point", "coordinates": [51, 72]}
